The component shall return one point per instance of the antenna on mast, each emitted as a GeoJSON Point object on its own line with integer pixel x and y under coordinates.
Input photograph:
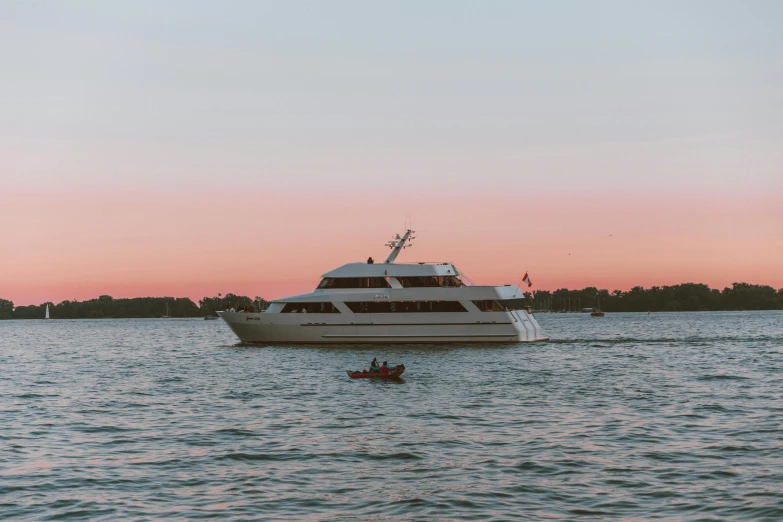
{"type": "Point", "coordinates": [397, 244]}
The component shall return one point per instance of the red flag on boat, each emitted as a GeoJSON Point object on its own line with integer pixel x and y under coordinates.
{"type": "Point", "coordinates": [527, 280]}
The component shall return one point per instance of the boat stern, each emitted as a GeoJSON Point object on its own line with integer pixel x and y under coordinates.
{"type": "Point", "coordinates": [527, 326]}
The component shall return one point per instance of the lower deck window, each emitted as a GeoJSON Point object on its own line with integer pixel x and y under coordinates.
{"type": "Point", "coordinates": [386, 307]}
{"type": "Point", "coordinates": [489, 306]}
{"type": "Point", "coordinates": [309, 308]}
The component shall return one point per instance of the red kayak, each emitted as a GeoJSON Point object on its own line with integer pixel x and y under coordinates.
{"type": "Point", "coordinates": [392, 373]}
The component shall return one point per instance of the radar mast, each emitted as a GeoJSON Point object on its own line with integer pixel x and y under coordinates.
{"type": "Point", "coordinates": [398, 244]}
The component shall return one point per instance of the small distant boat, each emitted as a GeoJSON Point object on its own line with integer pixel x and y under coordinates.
{"type": "Point", "coordinates": [166, 315]}
{"type": "Point", "coordinates": [47, 311]}
{"type": "Point", "coordinates": [393, 373]}
{"type": "Point", "coordinates": [597, 310]}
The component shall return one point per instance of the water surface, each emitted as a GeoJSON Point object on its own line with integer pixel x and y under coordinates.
{"type": "Point", "coordinates": [671, 416]}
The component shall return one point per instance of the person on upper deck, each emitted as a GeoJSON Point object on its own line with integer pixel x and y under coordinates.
{"type": "Point", "coordinates": [370, 261]}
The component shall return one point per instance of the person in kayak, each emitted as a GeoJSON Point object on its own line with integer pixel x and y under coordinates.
{"type": "Point", "coordinates": [384, 368]}
{"type": "Point", "coordinates": [374, 365]}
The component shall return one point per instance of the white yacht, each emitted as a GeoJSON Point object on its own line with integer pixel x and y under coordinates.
{"type": "Point", "coordinates": [392, 303]}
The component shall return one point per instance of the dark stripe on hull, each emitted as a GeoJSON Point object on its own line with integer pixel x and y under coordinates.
{"type": "Point", "coordinates": [402, 324]}
{"type": "Point", "coordinates": [417, 336]}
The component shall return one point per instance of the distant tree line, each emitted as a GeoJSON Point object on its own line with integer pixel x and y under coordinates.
{"type": "Point", "coordinates": [692, 297]}
{"type": "Point", "coordinates": [685, 297]}
{"type": "Point", "coordinates": [210, 305]}
{"type": "Point", "coordinates": [107, 307]}
{"type": "Point", "coordinates": [6, 309]}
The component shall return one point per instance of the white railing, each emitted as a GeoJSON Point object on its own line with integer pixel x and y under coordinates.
{"type": "Point", "coordinates": [465, 278]}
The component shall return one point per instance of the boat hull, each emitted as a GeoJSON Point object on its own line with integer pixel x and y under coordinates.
{"type": "Point", "coordinates": [515, 326]}
{"type": "Point", "coordinates": [393, 373]}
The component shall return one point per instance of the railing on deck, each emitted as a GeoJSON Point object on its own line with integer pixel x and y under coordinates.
{"type": "Point", "coordinates": [464, 278]}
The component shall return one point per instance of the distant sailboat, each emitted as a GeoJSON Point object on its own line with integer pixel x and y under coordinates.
{"type": "Point", "coordinates": [166, 315]}
{"type": "Point", "coordinates": [597, 310]}
{"type": "Point", "coordinates": [47, 311]}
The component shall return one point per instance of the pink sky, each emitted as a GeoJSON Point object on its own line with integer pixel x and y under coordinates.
{"type": "Point", "coordinates": [187, 149]}
{"type": "Point", "coordinates": [78, 245]}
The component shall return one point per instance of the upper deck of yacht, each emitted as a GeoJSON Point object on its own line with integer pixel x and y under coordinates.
{"type": "Point", "coordinates": [393, 270]}
{"type": "Point", "coordinates": [389, 281]}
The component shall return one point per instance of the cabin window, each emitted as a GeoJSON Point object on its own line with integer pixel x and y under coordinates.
{"type": "Point", "coordinates": [514, 304]}
{"type": "Point", "coordinates": [489, 306]}
{"type": "Point", "coordinates": [354, 282]}
{"type": "Point", "coordinates": [310, 308]}
{"type": "Point", "coordinates": [385, 307]}
{"type": "Point", "coordinates": [429, 281]}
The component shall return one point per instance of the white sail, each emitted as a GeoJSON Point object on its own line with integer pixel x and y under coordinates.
{"type": "Point", "coordinates": [47, 311]}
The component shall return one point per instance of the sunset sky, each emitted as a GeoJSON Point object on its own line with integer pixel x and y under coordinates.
{"type": "Point", "coordinates": [188, 148]}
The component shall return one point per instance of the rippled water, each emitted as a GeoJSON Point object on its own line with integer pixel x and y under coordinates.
{"type": "Point", "coordinates": [673, 416]}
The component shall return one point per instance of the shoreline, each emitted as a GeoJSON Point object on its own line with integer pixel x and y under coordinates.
{"type": "Point", "coordinates": [201, 318]}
